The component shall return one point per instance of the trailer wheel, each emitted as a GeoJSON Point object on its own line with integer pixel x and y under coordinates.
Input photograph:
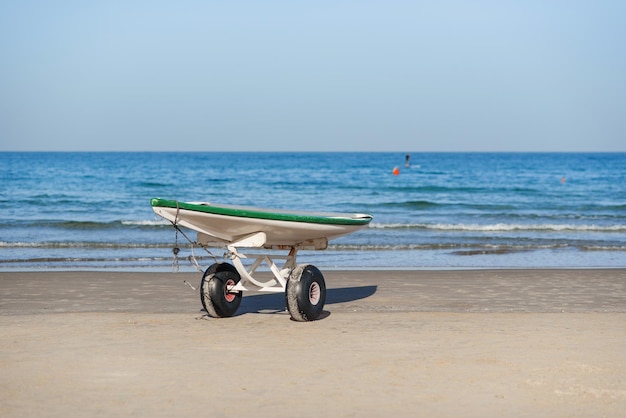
{"type": "Point", "coordinates": [306, 293]}
{"type": "Point", "coordinates": [215, 293]}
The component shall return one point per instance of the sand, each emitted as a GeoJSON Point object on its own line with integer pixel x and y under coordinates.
{"type": "Point", "coordinates": [390, 343]}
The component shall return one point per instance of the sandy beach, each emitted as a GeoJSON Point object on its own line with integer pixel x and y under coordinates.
{"type": "Point", "coordinates": [390, 343]}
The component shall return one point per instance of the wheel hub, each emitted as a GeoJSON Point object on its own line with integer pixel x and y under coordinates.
{"type": "Point", "coordinates": [230, 283]}
{"type": "Point", "coordinates": [315, 293]}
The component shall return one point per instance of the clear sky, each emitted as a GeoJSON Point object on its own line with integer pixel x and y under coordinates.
{"type": "Point", "coordinates": [323, 75]}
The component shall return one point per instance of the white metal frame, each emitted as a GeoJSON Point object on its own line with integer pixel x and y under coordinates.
{"type": "Point", "coordinates": [258, 240]}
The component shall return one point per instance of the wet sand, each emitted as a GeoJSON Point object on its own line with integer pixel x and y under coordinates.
{"type": "Point", "coordinates": [401, 343]}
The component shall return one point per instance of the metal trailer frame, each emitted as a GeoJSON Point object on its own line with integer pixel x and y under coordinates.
{"type": "Point", "coordinates": [248, 282]}
{"type": "Point", "coordinates": [304, 285]}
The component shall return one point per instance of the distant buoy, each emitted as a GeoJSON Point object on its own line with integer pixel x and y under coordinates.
{"type": "Point", "coordinates": [396, 171]}
{"type": "Point", "coordinates": [563, 180]}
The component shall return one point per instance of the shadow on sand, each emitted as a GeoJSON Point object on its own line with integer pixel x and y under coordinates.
{"type": "Point", "coordinates": [274, 303]}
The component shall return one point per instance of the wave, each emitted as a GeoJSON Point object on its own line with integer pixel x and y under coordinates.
{"type": "Point", "coordinates": [160, 222]}
{"type": "Point", "coordinates": [475, 249]}
{"type": "Point", "coordinates": [426, 204]}
{"type": "Point", "coordinates": [154, 184]}
{"type": "Point", "coordinates": [90, 225]}
{"type": "Point", "coordinates": [416, 204]}
{"type": "Point", "coordinates": [83, 259]}
{"type": "Point", "coordinates": [602, 247]}
{"type": "Point", "coordinates": [504, 209]}
{"type": "Point", "coordinates": [112, 246]}
{"type": "Point", "coordinates": [492, 248]}
{"type": "Point", "coordinates": [436, 189]}
{"type": "Point", "coordinates": [463, 189]}
{"type": "Point", "coordinates": [82, 245]}
{"type": "Point", "coordinates": [501, 227]}
{"type": "Point", "coordinates": [467, 249]}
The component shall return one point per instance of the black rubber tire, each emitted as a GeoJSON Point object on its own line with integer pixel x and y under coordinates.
{"type": "Point", "coordinates": [214, 295]}
{"type": "Point", "coordinates": [306, 293]}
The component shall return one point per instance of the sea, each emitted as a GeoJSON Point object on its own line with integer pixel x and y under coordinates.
{"type": "Point", "coordinates": [91, 211]}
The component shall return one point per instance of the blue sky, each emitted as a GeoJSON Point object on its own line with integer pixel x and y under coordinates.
{"type": "Point", "coordinates": [313, 75]}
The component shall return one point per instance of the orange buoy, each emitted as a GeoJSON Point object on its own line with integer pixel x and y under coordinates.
{"type": "Point", "coordinates": [396, 171]}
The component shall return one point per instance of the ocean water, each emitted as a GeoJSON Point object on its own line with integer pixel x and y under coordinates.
{"type": "Point", "coordinates": [446, 210]}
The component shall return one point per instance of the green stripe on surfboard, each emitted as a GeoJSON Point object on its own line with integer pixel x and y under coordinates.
{"type": "Point", "coordinates": [258, 213]}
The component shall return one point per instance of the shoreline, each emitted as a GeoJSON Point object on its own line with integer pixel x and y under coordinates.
{"type": "Point", "coordinates": [187, 269]}
{"type": "Point", "coordinates": [465, 290]}
{"type": "Point", "coordinates": [494, 342]}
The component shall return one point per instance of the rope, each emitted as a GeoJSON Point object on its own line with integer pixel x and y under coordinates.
{"type": "Point", "coordinates": [193, 261]}
{"type": "Point", "coordinates": [176, 250]}
{"type": "Point", "coordinates": [175, 267]}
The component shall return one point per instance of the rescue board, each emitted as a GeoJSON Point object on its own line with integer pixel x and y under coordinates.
{"type": "Point", "coordinates": [281, 227]}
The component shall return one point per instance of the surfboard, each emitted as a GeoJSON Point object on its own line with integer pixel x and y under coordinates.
{"type": "Point", "coordinates": [282, 227]}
